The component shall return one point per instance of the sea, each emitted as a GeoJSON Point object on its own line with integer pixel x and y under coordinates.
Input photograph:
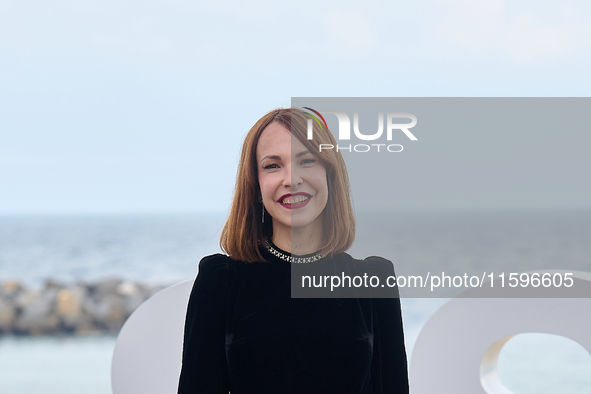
{"type": "Point", "coordinates": [166, 249]}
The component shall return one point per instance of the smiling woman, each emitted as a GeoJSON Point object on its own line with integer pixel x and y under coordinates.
{"type": "Point", "coordinates": [280, 138]}
{"type": "Point", "coordinates": [294, 191]}
{"type": "Point", "coordinates": [243, 331]}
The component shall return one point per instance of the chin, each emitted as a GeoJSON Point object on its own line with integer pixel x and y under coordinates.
{"type": "Point", "coordinates": [297, 222]}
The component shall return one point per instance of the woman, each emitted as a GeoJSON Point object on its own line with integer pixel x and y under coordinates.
{"type": "Point", "coordinates": [244, 333]}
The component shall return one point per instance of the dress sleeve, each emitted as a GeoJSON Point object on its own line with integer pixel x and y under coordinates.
{"type": "Point", "coordinates": [389, 371]}
{"type": "Point", "coordinates": [204, 368]}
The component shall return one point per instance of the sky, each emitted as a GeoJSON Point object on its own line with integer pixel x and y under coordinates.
{"type": "Point", "coordinates": [140, 107]}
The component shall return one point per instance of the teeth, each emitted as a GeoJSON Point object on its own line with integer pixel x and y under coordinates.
{"type": "Point", "coordinates": [295, 199]}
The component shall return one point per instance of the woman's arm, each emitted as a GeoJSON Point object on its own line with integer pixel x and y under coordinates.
{"type": "Point", "coordinates": [204, 369]}
{"type": "Point", "coordinates": [389, 371]}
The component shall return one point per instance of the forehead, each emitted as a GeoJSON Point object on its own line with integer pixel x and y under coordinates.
{"type": "Point", "coordinates": [276, 140]}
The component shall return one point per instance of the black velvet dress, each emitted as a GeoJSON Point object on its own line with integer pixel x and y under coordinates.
{"type": "Point", "coordinates": [244, 334]}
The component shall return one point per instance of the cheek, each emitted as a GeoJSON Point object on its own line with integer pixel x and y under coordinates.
{"type": "Point", "coordinates": [264, 184]}
{"type": "Point", "coordinates": [261, 184]}
{"type": "Point", "coordinates": [322, 182]}
{"type": "Point", "coordinates": [325, 186]}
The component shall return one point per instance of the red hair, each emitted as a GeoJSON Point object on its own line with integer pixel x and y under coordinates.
{"type": "Point", "coordinates": [244, 230]}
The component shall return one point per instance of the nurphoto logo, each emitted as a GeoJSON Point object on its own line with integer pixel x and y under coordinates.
{"type": "Point", "coordinates": [344, 133]}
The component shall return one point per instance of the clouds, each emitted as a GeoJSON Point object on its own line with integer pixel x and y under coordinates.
{"type": "Point", "coordinates": [351, 32]}
{"type": "Point", "coordinates": [213, 34]}
{"type": "Point", "coordinates": [523, 33]}
{"type": "Point", "coordinates": [529, 40]}
{"type": "Point", "coordinates": [149, 81]}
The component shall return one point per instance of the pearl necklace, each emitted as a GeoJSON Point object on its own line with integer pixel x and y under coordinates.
{"type": "Point", "coordinates": [290, 258]}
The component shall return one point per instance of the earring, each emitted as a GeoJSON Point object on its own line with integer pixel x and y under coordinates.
{"type": "Point", "coordinates": [263, 216]}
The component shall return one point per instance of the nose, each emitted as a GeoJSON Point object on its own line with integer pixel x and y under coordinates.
{"type": "Point", "coordinates": [293, 177]}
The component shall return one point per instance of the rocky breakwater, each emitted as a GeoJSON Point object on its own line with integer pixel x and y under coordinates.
{"type": "Point", "coordinates": [80, 308]}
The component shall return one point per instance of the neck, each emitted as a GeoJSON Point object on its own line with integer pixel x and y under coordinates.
{"type": "Point", "coordinates": [298, 241]}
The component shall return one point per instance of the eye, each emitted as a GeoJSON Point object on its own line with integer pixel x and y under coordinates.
{"type": "Point", "coordinates": [270, 166]}
{"type": "Point", "coordinates": [308, 161]}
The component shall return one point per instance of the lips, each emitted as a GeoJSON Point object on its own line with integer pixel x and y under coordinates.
{"type": "Point", "coordinates": [295, 201]}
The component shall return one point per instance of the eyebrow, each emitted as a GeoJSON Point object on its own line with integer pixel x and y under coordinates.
{"type": "Point", "coordinates": [270, 157]}
{"type": "Point", "coordinates": [302, 153]}
{"type": "Point", "coordinates": [275, 157]}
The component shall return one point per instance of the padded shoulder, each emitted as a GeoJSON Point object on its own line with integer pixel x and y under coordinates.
{"type": "Point", "coordinates": [381, 264]}
{"type": "Point", "coordinates": [214, 273]}
{"type": "Point", "coordinates": [215, 262]}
